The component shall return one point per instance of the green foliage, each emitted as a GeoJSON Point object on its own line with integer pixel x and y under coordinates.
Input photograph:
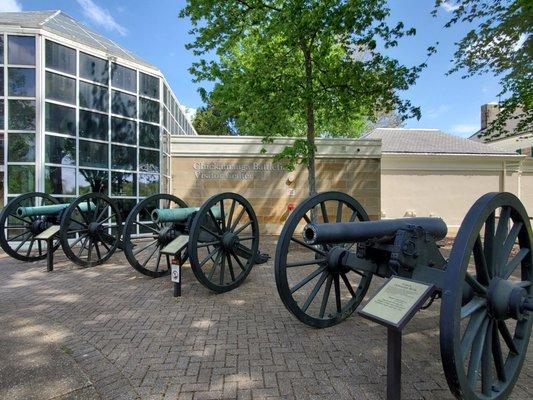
{"type": "Point", "coordinates": [501, 43]}
{"type": "Point", "coordinates": [300, 67]}
{"type": "Point", "coordinates": [211, 121]}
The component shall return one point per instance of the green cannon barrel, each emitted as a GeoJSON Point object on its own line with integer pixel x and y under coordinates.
{"type": "Point", "coordinates": [178, 214]}
{"type": "Point", "coordinates": [52, 209]}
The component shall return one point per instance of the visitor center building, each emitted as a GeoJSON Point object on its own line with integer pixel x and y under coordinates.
{"type": "Point", "coordinates": [79, 113]}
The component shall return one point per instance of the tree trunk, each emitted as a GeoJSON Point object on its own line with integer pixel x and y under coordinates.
{"type": "Point", "coordinates": [310, 110]}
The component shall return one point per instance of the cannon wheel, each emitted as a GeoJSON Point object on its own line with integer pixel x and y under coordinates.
{"type": "Point", "coordinates": [144, 251]}
{"type": "Point", "coordinates": [482, 346]}
{"type": "Point", "coordinates": [301, 271]}
{"type": "Point", "coordinates": [222, 251]}
{"type": "Point", "coordinates": [85, 235]}
{"type": "Point", "coordinates": [16, 231]}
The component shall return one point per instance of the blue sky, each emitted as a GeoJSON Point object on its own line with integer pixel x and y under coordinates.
{"type": "Point", "coordinates": [153, 31]}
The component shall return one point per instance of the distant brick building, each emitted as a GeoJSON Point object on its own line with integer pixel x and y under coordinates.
{"type": "Point", "coordinates": [509, 138]}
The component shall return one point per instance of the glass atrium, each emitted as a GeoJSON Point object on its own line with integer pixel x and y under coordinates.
{"type": "Point", "coordinates": [76, 118]}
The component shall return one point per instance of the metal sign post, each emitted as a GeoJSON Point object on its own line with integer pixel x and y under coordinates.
{"type": "Point", "coordinates": [393, 306]}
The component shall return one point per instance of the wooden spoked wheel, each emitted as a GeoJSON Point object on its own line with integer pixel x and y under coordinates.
{"type": "Point", "coordinates": [17, 236]}
{"type": "Point", "coordinates": [485, 324]}
{"type": "Point", "coordinates": [90, 229]}
{"type": "Point", "coordinates": [224, 242]}
{"type": "Point", "coordinates": [144, 239]}
{"type": "Point", "coordinates": [318, 294]}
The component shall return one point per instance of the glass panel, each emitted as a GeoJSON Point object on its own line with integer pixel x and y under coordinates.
{"type": "Point", "coordinates": [21, 50]}
{"type": "Point", "coordinates": [22, 114]}
{"type": "Point", "coordinates": [1, 80]}
{"type": "Point", "coordinates": [93, 154]}
{"type": "Point", "coordinates": [60, 119]}
{"type": "Point", "coordinates": [60, 88]}
{"type": "Point", "coordinates": [93, 96]}
{"type": "Point", "coordinates": [21, 82]}
{"type": "Point", "coordinates": [60, 180]}
{"type": "Point", "coordinates": [148, 135]}
{"type": "Point", "coordinates": [60, 57]}
{"type": "Point", "coordinates": [149, 110]}
{"type": "Point", "coordinates": [149, 85]}
{"type": "Point", "coordinates": [2, 114]}
{"type": "Point", "coordinates": [20, 178]}
{"type": "Point", "coordinates": [123, 77]}
{"type": "Point", "coordinates": [148, 185]}
{"type": "Point", "coordinates": [124, 104]}
{"type": "Point", "coordinates": [90, 180]}
{"type": "Point", "coordinates": [1, 49]}
{"type": "Point", "coordinates": [148, 160]}
{"type": "Point", "coordinates": [93, 125]}
{"type": "Point", "coordinates": [125, 206]}
{"type": "Point", "coordinates": [94, 68]}
{"type": "Point", "coordinates": [60, 150]}
{"type": "Point", "coordinates": [123, 184]}
{"type": "Point", "coordinates": [123, 157]}
{"type": "Point", "coordinates": [21, 147]}
{"type": "Point", "coordinates": [123, 130]}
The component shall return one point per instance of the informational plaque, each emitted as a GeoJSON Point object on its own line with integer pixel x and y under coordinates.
{"type": "Point", "coordinates": [396, 302]}
{"type": "Point", "coordinates": [47, 234]}
{"type": "Point", "coordinates": [175, 274]}
{"type": "Point", "coordinates": [176, 245]}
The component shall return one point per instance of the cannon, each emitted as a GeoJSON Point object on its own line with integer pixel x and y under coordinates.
{"type": "Point", "coordinates": [484, 286]}
{"type": "Point", "coordinates": [220, 239]}
{"type": "Point", "coordinates": [35, 224]}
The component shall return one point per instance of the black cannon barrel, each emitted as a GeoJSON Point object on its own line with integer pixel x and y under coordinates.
{"type": "Point", "coordinates": [343, 232]}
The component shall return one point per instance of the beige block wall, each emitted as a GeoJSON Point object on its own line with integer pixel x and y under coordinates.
{"type": "Point", "coordinates": [526, 185]}
{"type": "Point", "coordinates": [269, 188]}
{"type": "Point", "coordinates": [447, 186]}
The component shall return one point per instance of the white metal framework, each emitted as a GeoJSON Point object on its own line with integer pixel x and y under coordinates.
{"type": "Point", "coordinates": [65, 158]}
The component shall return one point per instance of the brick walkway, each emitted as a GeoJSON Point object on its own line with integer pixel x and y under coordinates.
{"type": "Point", "coordinates": [123, 336]}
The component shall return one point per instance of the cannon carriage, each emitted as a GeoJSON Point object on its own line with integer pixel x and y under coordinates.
{"type": "Point", "coordinates": [35, 224]}
{"type": "Point", "coordinates": [220, 239]}
{"type": "Point", "coordinates": [329, 251]}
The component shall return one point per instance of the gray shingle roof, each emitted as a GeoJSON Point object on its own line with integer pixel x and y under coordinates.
{"type": "Point", "coordinates": [64, 25]}
{"type": "Point", "coordinates": [429, 141]}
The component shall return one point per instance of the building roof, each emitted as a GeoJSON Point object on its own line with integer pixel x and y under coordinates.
{"type": "Point", "coordinates": [64, 25]}
{"type": "Point", "coordinates": [429, 141]}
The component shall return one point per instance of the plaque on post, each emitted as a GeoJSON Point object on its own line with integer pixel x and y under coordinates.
{"type": "Point", "coordinates": [393, 306]}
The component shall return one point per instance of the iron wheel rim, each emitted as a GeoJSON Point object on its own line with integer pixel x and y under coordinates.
{"type": "Point", "coordinates": [234, 208]}
{"type": "Point", "coordinates": [130, 228]}
{"type": "Point", "coordinates": [482, 377]}
{"type": "Point", "coordinates": [298, 217]}
{"type": "Point", "coordinates": [9, 212]}
{"type": "Point", "coordinates": [76, 222]}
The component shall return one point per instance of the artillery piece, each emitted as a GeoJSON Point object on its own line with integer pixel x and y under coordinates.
{"type": "Point", "coordinates": [220, 239]}
{"type": "Point", "coordinates": [88, 229]}
{"type": "Point", "coordinates": [484, 285]}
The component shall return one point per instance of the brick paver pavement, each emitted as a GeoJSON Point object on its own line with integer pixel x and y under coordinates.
{"type": "Point", "coordinates": [133, 340]}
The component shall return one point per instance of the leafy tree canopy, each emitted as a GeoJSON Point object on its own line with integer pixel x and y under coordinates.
{"type": "Point", "coordinates": [500, 42]}
{"type": "Point", "coordinates": [300, 67]}
{"type": "Point", "coordinates": [210, 120]}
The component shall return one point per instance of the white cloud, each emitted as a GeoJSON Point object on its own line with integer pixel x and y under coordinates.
{"type": "Point", "coordinates": [100, 16]}
{"type": "Point", "coordinates": [437, 112]}
{"type": "Point", "coordinates": [448, 7]}
{"type": "Point", "coordinates": [464, 129]}
{"type": "Point", "coordinates": [10, 6]}
{"type": "Point", "coordinates": [520, 42]}
{"type": "Point", "coordinates": [190, 112]}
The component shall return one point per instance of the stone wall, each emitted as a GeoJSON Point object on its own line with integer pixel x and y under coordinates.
{"type": "Point", "coordinates": [204, 166]}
